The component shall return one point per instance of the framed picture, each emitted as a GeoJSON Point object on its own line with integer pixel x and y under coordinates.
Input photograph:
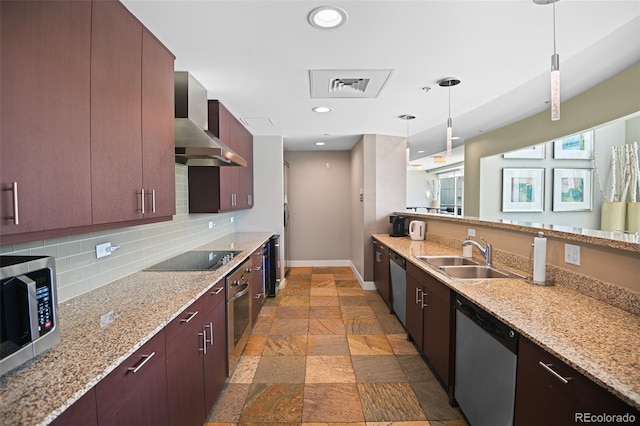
{"type": "Point", "coordinates": [535, 152]}
{"type": "Point", "coordinates": [522, 190]}
{"type": "Point", "coordinates": [575, 147]}
{"type": "Point", "coordinates": [572, 190]}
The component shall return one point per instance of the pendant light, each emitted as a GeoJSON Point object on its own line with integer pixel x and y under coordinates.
{"type": "Point", "coordinates": [448, 82]}
{"type": "Point", "coordinates": [407, 118]}
{"type": "Point", "coordinates": [555, 67]}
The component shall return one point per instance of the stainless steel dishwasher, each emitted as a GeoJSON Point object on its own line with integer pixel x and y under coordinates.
{"type": "Point", "coordinates": [398, 272]}
{"type": "Point", "coordinates": [485, 371]}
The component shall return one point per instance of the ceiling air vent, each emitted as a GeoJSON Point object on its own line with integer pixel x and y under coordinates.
{"type": "Point", "coordinates": [347, 83]}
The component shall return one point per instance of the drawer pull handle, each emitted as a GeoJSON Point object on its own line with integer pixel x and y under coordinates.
{"type": "Point", "coordinates": [16, 216]}
{"type": "Point", "coordinates": [143, 361]}
{"type": "Point", "coordinates": [191, 316]}
{"type": "Point", "coordinates": [203, 349]}
{"type": "Point", "coordinates": [418, 298]}
{"type": "Point", "coordinates": [547, 367]}
{"type": "Point", "coordinates": [218, 290]}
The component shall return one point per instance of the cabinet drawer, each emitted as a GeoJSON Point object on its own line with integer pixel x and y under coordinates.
{"type": "Point", "coordinates": [551, 392]}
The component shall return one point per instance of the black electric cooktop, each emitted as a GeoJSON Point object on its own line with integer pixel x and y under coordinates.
{"type": "Point", "coordinates": [195, 261]}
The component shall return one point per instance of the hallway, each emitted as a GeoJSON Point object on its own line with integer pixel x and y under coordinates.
{"type": "Point", "coordinates": [324, 351]}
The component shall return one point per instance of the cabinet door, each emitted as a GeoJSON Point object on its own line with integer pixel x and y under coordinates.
{"type": "Point", "coordinates": [414, 318]}
{"type": "Point", "coordinates": [549, 392]}
{"type": "Point", "coordinates": [158, 145]}
{"type": "Point", "coordinates": [136, 391]}
{"type": "Point", "coordinates": [381, 272]}
{"type": "Point", "coordinates": [215, 360]}
{"type": "Point", "coordinates": [436, 339]}
{"type": "Point", "coordinates": [185, 378]}
{"type": "Point", "coordinates": [243, 141]}
{"type": "Point", "coordinates": [116, 84]}
{"type": "Point", "coordinates": [83, 412]}
{"type": "Point", "coordinates": [44, 111]}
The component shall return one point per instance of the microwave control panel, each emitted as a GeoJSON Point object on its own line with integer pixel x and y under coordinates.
{"type": "Point", "coordinates": [44, 299]}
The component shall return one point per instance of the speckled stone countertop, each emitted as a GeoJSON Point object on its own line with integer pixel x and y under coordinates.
{"type": "Point", "coordinates": [143, 303]}
{"type": "Point", "coordinates": [598, 340]}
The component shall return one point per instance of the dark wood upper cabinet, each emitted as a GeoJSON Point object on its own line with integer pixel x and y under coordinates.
{"type": "Point", "coordinates": [44, 115]}
{"type": "Point", "coordinates": [226, 188]}
{"type": "Point", "coordinates": [86, 120]}
{"type": "Point", "coordinates": [116, 114]}
{"type": "Point", "coordinates": [158, 171]}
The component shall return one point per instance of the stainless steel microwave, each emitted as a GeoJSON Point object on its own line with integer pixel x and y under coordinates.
{"type": "Point", "coordinates": [28, 309]}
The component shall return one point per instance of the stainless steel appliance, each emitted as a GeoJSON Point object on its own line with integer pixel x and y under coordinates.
{"type": "Point", "coordinates": [485, 366]}
{"type": "Point", "coordinates": [238, 311]}
{"type": "Point", "coordinates": [272, 266]}
{"type": "Point", "coordinates": [398, 274]}
{"type": "Point", "coordinates": [28, 309]}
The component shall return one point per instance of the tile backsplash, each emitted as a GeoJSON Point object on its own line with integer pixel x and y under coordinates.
{"type": "Point", "coordinates": [78, 270]}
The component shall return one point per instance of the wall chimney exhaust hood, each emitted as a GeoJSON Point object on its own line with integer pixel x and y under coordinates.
{"type": "Point", "coordinates": [196, 146]}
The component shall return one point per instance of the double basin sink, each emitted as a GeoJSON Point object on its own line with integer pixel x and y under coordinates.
{"type": "Point", "coordinates": [465, 268]}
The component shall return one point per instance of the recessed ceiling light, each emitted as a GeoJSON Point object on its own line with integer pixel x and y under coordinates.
{"type": "Point", "coordinates": [321, 109]}
{"type": "Point", "coordinates": [320, 143]}
{"type": "Point", "coordinates": [327, 17]}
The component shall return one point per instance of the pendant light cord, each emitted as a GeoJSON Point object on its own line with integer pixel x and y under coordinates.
{"type": "Point", "coordinates": [554, 28]}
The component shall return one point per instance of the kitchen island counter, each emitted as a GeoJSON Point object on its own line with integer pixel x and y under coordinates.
{"type": "Point", "coordinates": [598, 340]}
{"type": "Point", "coordinates": [139, 306]}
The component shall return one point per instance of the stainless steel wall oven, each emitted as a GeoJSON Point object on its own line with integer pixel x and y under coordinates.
{"type": "Point", "coordinates": [238, 311]}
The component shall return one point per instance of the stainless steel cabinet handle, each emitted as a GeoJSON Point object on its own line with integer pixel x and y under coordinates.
{"type": "Point", "coordinates": [153, 200]}
{"type": "Point", "coordinates": [218, 290]}
{"type": "Point", "coordinates": [191, 316]}
{"type": "Point", "coordinates": [547, 367]}
{"type": "Point", "coordinates": [204, 342]}
{"type": "Point", "coordinates": [16, 215]}
{"type": "Point", "coordinates": [258, 296]}
{"type": "Point", "coordinates": [143, 361]}
{"type": "Point", "coordinates": [210, 327]}
{"type": "Point", "coordinates": [418, 298]}
{"type": "Point", "coordinates": [249, 199]}
{"type": "Point", "coordinates": [424, 293]}
{"type": "Point", "coordinates": [142, 199]}
{"type": "Point", "coordinates": [378, 258]}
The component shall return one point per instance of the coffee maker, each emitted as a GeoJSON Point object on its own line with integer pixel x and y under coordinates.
{"type": "Point", "coordinates": [398, 225]}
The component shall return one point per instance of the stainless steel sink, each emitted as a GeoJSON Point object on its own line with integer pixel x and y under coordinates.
{"type": "Point", "coordinates": [438, 261]}
{"type": "Point", "coordinates": [468, 272]}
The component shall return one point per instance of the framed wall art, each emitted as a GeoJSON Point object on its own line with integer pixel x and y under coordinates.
{"type": "Point", "coordinates": [572, 190]}
{"type": "Point", "coordinates": [532, 152]}
{"type": "Point", "coordinates": [575, 147]}
{"type": "Point", "coordinates": [522, 190]}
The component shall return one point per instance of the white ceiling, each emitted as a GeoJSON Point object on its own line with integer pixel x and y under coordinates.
{"type": "Point", "coordinates": [255, 56]}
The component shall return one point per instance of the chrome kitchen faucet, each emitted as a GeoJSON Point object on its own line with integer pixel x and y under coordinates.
{"type": "Point", "coordinates": [487, 251]}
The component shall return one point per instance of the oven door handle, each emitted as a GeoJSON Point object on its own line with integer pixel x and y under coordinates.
{"type": "Point", "coordinates": [241, 293]}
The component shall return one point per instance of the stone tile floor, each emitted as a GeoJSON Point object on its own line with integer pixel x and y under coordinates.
{"type": "Point", "coordinates": [323, 352]}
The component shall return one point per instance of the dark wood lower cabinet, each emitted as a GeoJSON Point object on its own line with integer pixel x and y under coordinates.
{"type": "Point", "coordinates": [429, 319]}
{"type": "Point", "coordinates": [197, 358]}
{"type": "Point", "coordinates": [549, 392]}
{"type": "Point", "coordinates": [381, 275]}
{"type": "Point", "coordinates": [83, 412]}
{"type": "Point", "coordinates": [135, 393]}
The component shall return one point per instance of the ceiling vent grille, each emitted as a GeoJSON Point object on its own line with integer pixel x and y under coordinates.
{"type": "Point", "coordinates": [357, 84]}
{"type": "Point", "coordinates": [350, 83]}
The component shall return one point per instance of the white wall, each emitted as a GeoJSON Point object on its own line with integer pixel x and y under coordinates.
{"type": "Point", "coordinates": [319, 207]}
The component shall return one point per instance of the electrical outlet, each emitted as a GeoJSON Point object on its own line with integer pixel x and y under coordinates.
{"type": "Point", "coordinates": [211, 224]}
{"type": "Point", "coordinates": [231, 219]}
{"type": "Point", "coordinates": [572, 254]}
{"type": "Point", "coordinates": [471, 232]}
{"type": "Point", "coordinates": [103, 250]}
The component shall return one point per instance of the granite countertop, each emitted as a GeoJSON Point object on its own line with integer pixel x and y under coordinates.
{"type": "Point", "coordinates": [142, 303]}
{"type": "Point", "coordinates": [598, 340]}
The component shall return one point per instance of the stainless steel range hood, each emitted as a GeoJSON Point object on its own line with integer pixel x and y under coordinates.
{"type": "Point", "coordinates": [196, 146]}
